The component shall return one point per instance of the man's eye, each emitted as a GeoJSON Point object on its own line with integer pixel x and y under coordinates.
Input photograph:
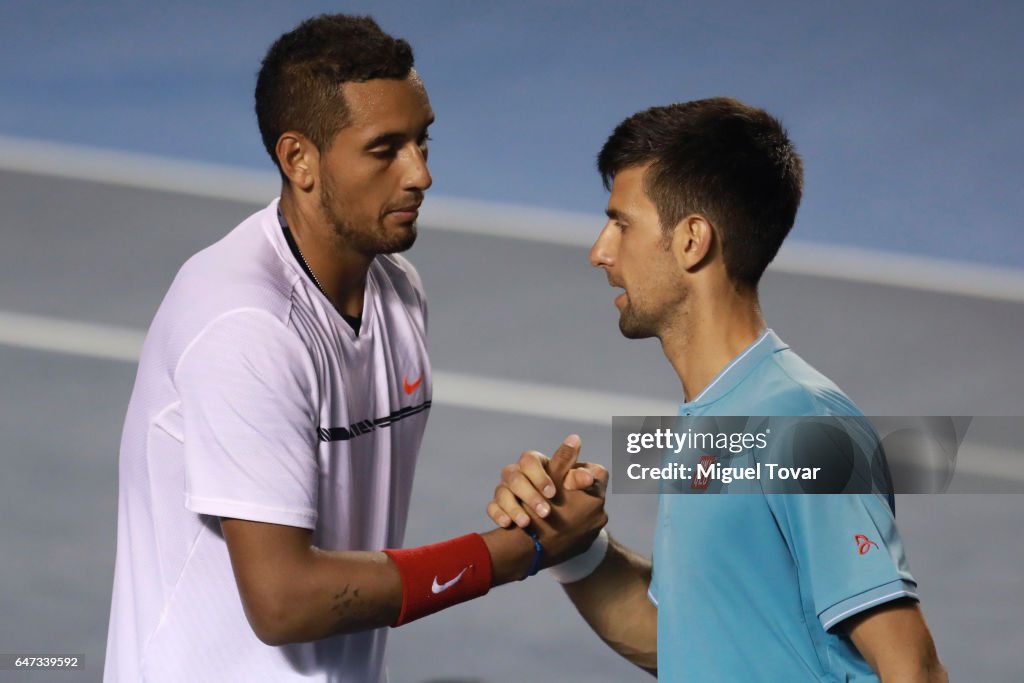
{"type": "Point", "coordinates": [385, 152]}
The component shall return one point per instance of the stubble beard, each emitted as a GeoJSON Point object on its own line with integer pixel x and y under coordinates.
{"type": "Point", "coordinates": [371, 239]}
{"type": "Point", "coordinates": [641, 322]}
{"type": "Point", "coordinates": [635, 324]}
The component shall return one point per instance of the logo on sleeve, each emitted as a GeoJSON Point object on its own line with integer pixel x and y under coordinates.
{"type": "Point", "coordinates": [863, 543]}
{"type": "Point", "coordinates": [410, 387]}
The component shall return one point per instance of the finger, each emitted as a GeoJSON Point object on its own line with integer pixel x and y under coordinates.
{"type": "Point", "coordinates": [600, 473]}
{"type": "Point", "coordinates": [498, 516]}
{"type": "Point", "coordinates": [523, 489]}
{"type": "Point", "coordinates": [508, 471]}
{"type": "Point", "coordinates": [578, 479]}
{"type": "Point", "coordinates": [533, 464]}
{"type": "Point", "coordinates": [509, 504]}
{"type": "Point", "coordinates": [564, 458]}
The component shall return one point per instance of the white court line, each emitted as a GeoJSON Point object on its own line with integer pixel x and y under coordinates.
{"type": "Point", "coordinates": [92, 340]}
{"type": "Point", "coordinates": [496, 219]}
{"type": "Point", "coordinates": [110, 342]}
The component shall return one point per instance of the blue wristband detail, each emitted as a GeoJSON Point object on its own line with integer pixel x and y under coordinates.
{"type": "Point", "coordinates": [537, 550]}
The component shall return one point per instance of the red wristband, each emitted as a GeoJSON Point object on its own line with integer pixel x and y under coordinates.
{"type": "Point", "coordinates": [438, 576]}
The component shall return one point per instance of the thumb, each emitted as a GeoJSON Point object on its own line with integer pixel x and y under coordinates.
{"type": "Point", "coordinates": [564, 458]}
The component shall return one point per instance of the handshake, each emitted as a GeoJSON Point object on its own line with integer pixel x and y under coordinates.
{"type": "Point", "coordinates": [559, 498]}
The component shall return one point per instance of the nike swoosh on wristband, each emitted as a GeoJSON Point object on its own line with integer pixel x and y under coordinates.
{"type": "Point", "coordinates": [442, 587]}
{"type": "Point", "coordinates": [409, 388]}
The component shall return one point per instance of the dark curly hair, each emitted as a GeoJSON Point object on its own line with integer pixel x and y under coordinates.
{"type": "Point", "coordinates": [722, 158]}
{"type": "Point", "coordinates": [299, 84]}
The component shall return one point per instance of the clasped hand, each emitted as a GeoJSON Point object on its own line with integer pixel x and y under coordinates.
{"type": "Point", "coordinates": [560, 498]}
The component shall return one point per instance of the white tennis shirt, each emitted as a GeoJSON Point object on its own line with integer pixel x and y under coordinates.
{"type": "Point", "coordinates": [254, 399]}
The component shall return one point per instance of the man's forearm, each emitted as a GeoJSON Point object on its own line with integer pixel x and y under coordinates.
{"type": "Point", "coordinates": [613, 601]}
{"type": "Point", "coordinates": [311, 593]}
{"type": "Point", "coordinates": [294, 592]}
{"type": "Point", "coordinates": [329, 593]}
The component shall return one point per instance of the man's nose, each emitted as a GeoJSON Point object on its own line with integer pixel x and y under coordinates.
{"type": "Point", "coordinates": [417, 175]}
{"type": "Point", "coordinates": [602, 254]}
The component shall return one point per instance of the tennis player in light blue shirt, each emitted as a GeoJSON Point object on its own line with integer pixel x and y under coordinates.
{"type": "Point", "coordinates": [746, 587]}
{"type": "Point", "coordinates": [779, 570]}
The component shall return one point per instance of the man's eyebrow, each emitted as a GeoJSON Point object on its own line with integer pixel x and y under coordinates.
{"type": "Point", "coordinates": [394, 137]}
{"type": "Point", "coordinates": [617, 215]}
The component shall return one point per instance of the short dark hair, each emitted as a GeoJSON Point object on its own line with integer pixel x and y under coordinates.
{"type": "Point", "coordinates": [722, 158]}
{"type": "Point", "coordinates": [299, 84]}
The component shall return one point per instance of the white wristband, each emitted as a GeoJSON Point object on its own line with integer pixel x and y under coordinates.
{"type": "Point", "coordinates": [584, 564]}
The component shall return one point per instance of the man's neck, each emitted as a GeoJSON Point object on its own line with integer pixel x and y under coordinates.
{"type": "Point", "coordinates": [339, 270]}
{"type": "Point", "coordinates": [714, 331]}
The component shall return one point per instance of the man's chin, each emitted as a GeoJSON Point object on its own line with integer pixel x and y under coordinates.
{"type": "Point", "coordinates": [400, 241]}
{"type": "Point", "coordinates": [632, 328]}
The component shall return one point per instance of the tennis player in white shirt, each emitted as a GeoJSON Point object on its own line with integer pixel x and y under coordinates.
{"type": "Point", "coordinates": [269, 447]}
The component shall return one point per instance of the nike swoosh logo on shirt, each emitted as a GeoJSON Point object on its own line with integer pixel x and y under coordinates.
{"type": "Point", "coordinates": [411, 387]}
{"type": "Point", "coordinates": [442, 587]}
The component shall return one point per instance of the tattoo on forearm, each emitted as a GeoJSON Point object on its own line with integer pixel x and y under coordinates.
{"type": "Point", "coordinates": [343, 600]}
{"type": "Point", "coordinates": [346, 603]}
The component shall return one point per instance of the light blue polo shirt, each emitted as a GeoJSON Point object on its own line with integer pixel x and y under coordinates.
{"type": "Point", "coordinates": [755, 587]}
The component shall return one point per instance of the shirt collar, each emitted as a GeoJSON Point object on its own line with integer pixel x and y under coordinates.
{"type": "Point", "coordinates": [736, 370]}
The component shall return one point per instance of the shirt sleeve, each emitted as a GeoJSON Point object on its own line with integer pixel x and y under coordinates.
{"type": "Point", "coordinates": [247, 390]}
{"type": "Point", "coordinates": [847, 550]}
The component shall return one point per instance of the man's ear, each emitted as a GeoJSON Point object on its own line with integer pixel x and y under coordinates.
{"type": "Point", "coordinates": [299, 159]}
{"type": "Point", "coordinates": [693, 241]}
